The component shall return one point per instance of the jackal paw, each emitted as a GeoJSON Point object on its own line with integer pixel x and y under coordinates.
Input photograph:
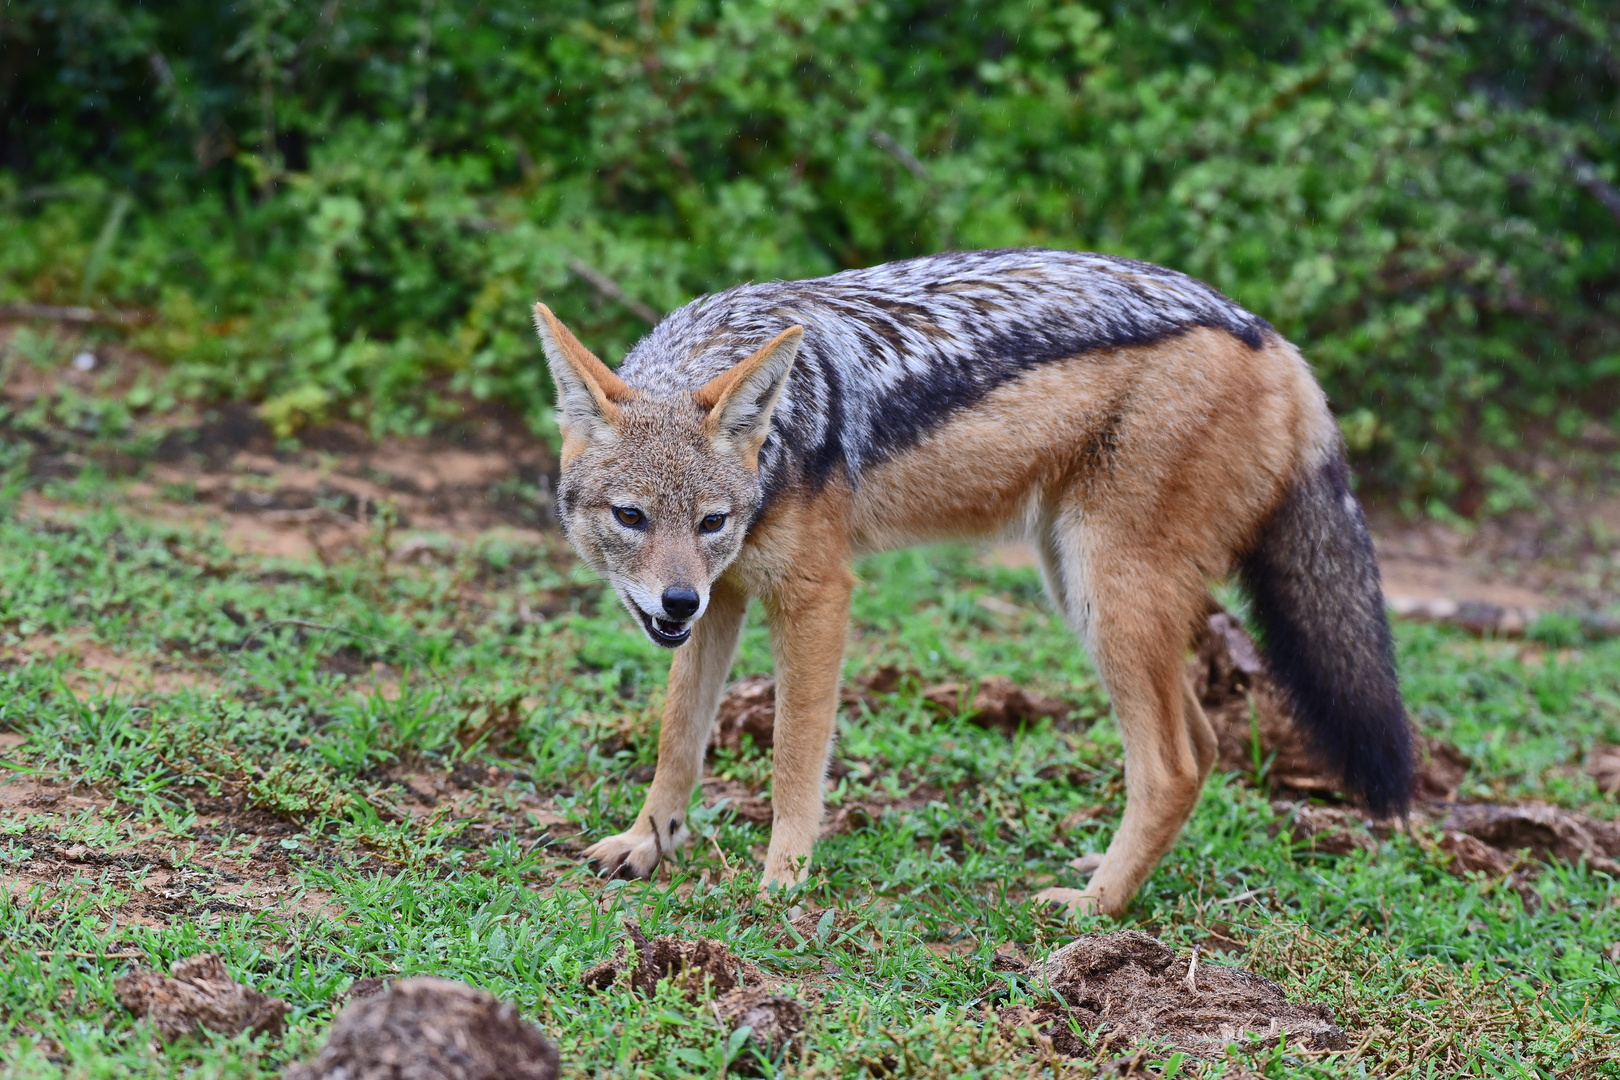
{"type": "Point", "coordinates": [1071, 901]}
{"type": "Point", "coordinates": [629, 854]}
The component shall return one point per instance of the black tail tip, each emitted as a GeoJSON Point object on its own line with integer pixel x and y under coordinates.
{"type": "Point", "coordinates": [1387, 789]}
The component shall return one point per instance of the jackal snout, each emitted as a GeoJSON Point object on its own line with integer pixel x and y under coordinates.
{"type": "Point", "coordinates": [681, 602]}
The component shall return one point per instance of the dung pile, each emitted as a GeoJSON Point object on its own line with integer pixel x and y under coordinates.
{"type": "Point", "coordinates": [430, 1029]}
{"type": "Point", "coordinates": [198, 993]}
{"type": "Point", "coordinates": [704, 969]}
{"type": "Point", "coordinates": [1126, 989]}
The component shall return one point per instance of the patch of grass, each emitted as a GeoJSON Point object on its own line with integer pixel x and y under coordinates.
{"type": "Point", "coordinates": [376, 769]}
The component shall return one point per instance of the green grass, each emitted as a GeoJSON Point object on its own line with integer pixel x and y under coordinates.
{"type": "Point", "coordinates": [263, 761]}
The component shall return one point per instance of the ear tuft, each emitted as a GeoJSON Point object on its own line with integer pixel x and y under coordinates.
{"type": "Point", "coordinates": [740, 400]}
{"type": "Point", "coordinates": [588, 392]}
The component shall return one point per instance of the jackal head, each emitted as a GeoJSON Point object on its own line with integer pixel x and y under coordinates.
{"type": "Point", "coordinates": [658, 490]}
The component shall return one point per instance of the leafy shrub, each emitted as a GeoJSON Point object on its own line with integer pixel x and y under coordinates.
{"type": "Point", "coordinates": [341, 209]}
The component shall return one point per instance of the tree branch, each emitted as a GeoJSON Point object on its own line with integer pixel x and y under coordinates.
{"type": "Point", "coordinates": [611, 290]}
{"type": "Point", "coordinates": [58, 313]}
{"type": "Point", "coordinates": [889, 145]}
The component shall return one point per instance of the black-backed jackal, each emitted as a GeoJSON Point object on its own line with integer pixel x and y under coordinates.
{"type": "Point", "coordinates": [1141, 430]}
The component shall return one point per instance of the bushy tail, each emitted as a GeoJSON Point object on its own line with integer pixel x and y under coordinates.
{"type": "Point", "coordinates": [1312, 578]}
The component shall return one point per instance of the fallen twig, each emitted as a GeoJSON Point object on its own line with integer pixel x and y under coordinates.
{"type": "Point", "coordinates": [73, 314]}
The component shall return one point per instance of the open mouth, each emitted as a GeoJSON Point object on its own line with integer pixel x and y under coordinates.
{"type": "Point", "coordinates": [662, 631]}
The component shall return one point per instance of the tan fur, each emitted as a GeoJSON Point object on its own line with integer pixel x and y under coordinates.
{"type": "Point", "coordinates": [606, 387]}
{"type": "Point", "coordinates": [1138, 473]}
{"type": "Point", "coordinates": [712, 394]}
{"type": "Point", "coordinates": [801, 574]}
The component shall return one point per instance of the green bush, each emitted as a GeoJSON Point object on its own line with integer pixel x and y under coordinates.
{"type": "Point", "coordinates": [344, 209]}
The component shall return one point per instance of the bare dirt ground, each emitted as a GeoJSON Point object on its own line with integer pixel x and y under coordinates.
{"type": "Point", "coordinates": [224, 467]}
{"type": "Point", "coordinates": [235, 864]}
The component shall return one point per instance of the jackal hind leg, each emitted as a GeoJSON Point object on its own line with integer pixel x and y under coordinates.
{"type": "Point", "coordinates": [697, 675]}
{"type": "Point", "coordinates": [1133, 610]}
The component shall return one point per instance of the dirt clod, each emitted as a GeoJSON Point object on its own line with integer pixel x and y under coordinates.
{"type": "Point", "coordinates": [1469, 854]}
{"type": "Point", "coordinates": [749, 705]}
{"type": "Point", "coordinates": [1049, 1021]}
{"type": "Point", "coordinates": [1603, 765]}
{"type": "Point", "coordinates": [1127, 988]}
{"type": "Point", "coordinates": [748, 708]}
{"type": "Point", "coordinates": [198, 993]}
{"type": "Point", "coordinates": [431, 1029]}
{"type": "Point", "coordinates": [700, 969]}
{"type": "Point", "coordinates": [773, 1019]}
{"type": "Point", "coordinates": [997, 702]}
{"type": "Point", "coordinates": [704, 969]}
{"type": "Point", "coordinates": [1331, 831]}
{"type": "Point", "coordinates": [1548, 832]}
{"type": "Point", "coordinates": [1441, 770]}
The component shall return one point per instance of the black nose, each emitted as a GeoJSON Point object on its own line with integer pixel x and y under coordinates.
{"type": "Point", "coordinates": [680, 604]}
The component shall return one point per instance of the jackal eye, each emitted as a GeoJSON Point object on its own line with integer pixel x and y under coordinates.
{"type": "Point", "coordinates": [630, 517]}
{"type": "Point", "coordinates": [712, 523]}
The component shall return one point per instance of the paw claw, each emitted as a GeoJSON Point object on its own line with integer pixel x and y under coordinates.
{"type": "Point", "coordinates": [626, 856]}
{"type": "Point", "coordinates": [1068, 901]}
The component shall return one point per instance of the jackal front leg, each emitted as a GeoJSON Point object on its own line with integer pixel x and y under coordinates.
{"type": "Point", "coordinates": [809, 620]}
{"type": "Point", "coordinates": [696, 677]}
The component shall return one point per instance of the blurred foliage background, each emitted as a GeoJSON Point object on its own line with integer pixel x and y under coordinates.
{"type": "Point", "coordinates": [343, 209]}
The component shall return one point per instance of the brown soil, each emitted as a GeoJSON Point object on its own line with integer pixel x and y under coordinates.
{"type": "Point", "coordinates": [995, 701]}
{"type": "Point", "coordinates": [774, 1020]}
{"type": "Point", "coordinates": [93, 667]}
{"type": "Point", "coordinates": [1126, 989]}
{"type": "Point", "coordinates": [699, 969]}
{"type": "Point", "coordinates": [424, 1028]}
{"type": "Point", "coordinates": [748, 708]}
{"type": "Point", "coordinates": [1331, 830]}
{"type": "Point", "coordinates": [739, 799]}
{"type": "Point", "coordinates": [702, 970]}
{"type": "Point", "coordinates": [198, 993]}
{"type": "Point", "coordinates": [1562, 556]}
{"type": "Point", "coordinates": [1495, 577]}
{"type": "Point", "coordinates": [1547, 833]}
{"type": "Point", "coordinates": [42, 816]}
{"type": "Point", "coordinates": [1508, 844]}
{"type": "Point", "coordinates": [223, 466]}
{"type": "Point", "coordinates": [1603, 765]}
{"type": "Point", "coordinates": [328, 494]}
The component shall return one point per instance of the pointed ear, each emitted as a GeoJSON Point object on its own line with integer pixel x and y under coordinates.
{"type": "Point", "coordinates": [588, 393]}
{"type": "Point", "coordinates": [740, 399]}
